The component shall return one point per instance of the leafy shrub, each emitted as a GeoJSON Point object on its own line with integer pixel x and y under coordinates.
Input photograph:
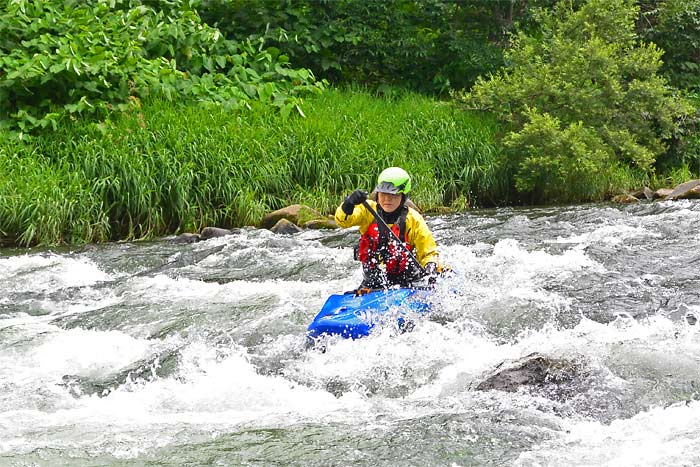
{"type": "Point", "coordinates": [674, 25]}
{"type": "Point", "coordinates": [71, 57]}
{"type": "Point", "coordinates": [586, 84]}
{"type": "Point", "coordinates": [427, 45]}
{"type": "Point", "coordinates": [556, 162]}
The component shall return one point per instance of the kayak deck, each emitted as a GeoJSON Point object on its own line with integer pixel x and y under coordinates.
{"type": "Point", "coordinates": [352, 315]}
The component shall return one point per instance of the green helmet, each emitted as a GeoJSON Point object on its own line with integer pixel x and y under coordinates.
{"type": "Point", "coordinates": [394, 180]}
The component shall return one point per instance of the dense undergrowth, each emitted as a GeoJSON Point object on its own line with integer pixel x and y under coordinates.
{"type": "Point", "coordinates": [176, 167]}
{"type": "Point", "coordinates": [168, 168]}
{"type": "Point", "coordinates": [122, 119]}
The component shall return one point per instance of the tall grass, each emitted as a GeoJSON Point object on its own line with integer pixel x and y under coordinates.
{"type": "Point", "coordinates": [170, 168]}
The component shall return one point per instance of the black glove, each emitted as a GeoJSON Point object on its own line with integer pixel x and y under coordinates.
{"type": "Point", "coordinates": [355, 198]}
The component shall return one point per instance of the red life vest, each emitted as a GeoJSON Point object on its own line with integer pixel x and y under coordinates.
{"type": "Point", "coordinates": [378, 246]}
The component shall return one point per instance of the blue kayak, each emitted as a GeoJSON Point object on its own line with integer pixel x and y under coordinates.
{"type": "Point", "coordinates": [353, 315]}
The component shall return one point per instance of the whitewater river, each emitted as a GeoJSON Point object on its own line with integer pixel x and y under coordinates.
{"type": "Point", "coordinates": [193, 354]}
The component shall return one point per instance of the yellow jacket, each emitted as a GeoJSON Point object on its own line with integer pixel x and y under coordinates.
{"type": "Point", "coordinates": [417, 231]}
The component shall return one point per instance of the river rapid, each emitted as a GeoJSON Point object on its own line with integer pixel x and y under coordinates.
{"type": "Point", "coordinates": [194, 354]}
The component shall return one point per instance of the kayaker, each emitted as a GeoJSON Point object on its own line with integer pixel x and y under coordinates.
{"type": "Point", "coordinates": [384, 261]}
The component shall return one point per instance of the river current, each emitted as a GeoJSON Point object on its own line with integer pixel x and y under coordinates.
{"type": "Point", "coordinates": [160, 353]}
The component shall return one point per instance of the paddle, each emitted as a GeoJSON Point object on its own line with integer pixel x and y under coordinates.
{"type": "Point", "coordinates": [381, 222]}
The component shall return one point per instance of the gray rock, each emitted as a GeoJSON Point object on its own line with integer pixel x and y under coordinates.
{"type": "Point", "coordinates": [159, 366]}
{"type": "Point", "coordinates": [285, 227]}
{"type": "Point", "coordinates": [624, 199]}
{"type": "Point", "coordinates": [214, 232]}
{"type": "Point", "coordinates": [662, 193]}
{"type": "Point", "coordinates": [317, 224]}
{"type": "Point", "coordinates": [689, 189]}
{"type": "Point", "coordinates": [534, 370]}
{"type": "Point", "coordinates": [186, 238]}
{"type": "Point", "coordinates": [296, 214]}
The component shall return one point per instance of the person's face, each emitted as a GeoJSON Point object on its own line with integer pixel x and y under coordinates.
{"type": "Point", "coordinates": [389, 202]}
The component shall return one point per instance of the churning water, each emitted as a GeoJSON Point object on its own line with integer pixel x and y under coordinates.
{"type": "Point", "coordinates": [168, 354]}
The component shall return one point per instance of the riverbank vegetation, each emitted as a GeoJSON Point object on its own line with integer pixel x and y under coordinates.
{"type": "Point", "coordinates": [582, 101]}
{"type": "Point", "coordinates": [169, 167]}
{"type": "Point", "coordinates": [122, 119]}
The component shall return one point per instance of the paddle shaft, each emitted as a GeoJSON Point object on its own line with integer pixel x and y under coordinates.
{"type": "Point", "coordinates": [381, 222]}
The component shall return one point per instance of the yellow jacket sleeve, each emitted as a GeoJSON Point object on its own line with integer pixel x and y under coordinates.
{"type": "Point", "coordinates": [360, 217]}
{"type": "Point", "coordinates": [419, 235]}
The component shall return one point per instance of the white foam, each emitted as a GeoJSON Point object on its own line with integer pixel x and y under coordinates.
{"type": "Point", "coordinates": [661, 437]}
{"type": "Point", "coordinates": [49, 272]}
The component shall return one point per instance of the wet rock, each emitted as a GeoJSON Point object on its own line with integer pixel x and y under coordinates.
{"type": "Point", "coordinates": [534, 370]}
{"type": "Point", "coordinates": [160, 366]}
{"type": "Point", "coordinates": [317, 224]}
{"type": "Point", "coordinates": [662, 193]}
{"type": "Point", "coordinates": [285, 227]}
{"type": "Point", "coordinates": [185, 238]}
{"type": "Point", "coordinates": [297, 214]}
{"type": "Point", "coordinates": [645, 193]}
{"type": "Point", "coordinates": [624, 199]}
{"type": "Point", "coordinates": [687, 190]}
{"type": "Point", "coordinates": [214, 232]}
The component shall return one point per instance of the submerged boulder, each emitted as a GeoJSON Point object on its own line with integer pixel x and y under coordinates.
{"type": "Point", "coordinates": [285, 227]}
{"type": "Point", "coordinates": [205, 234]}
{"type": "Point", "coordinates": [535, 371]}
{"type": "Point", "coordinates": [185, 238]}
{"type": "Point", "coordinates": [149, 369]}
{"type": "Point", "coordinates": [214, 232]}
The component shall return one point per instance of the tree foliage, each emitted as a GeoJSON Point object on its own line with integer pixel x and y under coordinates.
{"type": "Point", "coordinates": [583, 97]}
{"type": "Point", "coordinates": [75, 57]}
{"type": "Point", "coordinates": [427, 45]}
{"type": "Point", "coordinates": [674, 25]}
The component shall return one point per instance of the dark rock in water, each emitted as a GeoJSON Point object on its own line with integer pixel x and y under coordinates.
{"type": "Point", "coordinates": [185, 238]}
{"type": "Point", "coordinates": [691, 319]}
{"type": "Point", "coordinates": [214, 232]}
{"type": "Point", "coordinates": [160, 366]}
{"type": "Point", "coordinates": [285, 227]}
{"type": "Point", "coordinates": [534, 370]}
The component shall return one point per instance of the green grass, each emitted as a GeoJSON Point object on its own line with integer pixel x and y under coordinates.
{"type": "Point", "coordinates": [169, 168]}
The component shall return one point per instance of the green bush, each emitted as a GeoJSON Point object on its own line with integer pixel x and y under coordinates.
{"type": "Point", "coordinates": [674, 25]}
{"type": "Point", "coordinates": [63, 58]}
{"type": "Point", "coordinates": [555, 162]}
{"type": "Point", "coordinates": [591, 86]}
{"type": "Point", "coordinates": [427, 45]}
